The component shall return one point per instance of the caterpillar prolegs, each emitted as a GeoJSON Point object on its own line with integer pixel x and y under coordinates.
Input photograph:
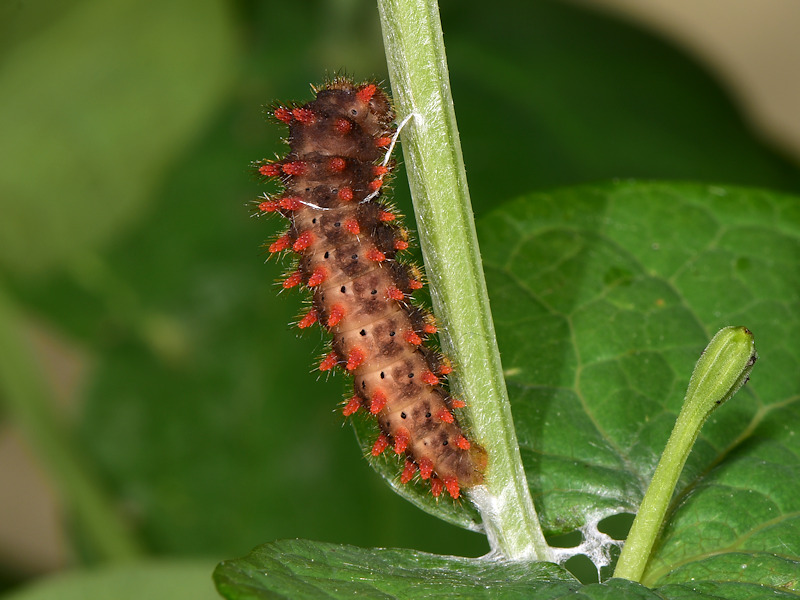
{"type": "Point", "coordinates": [346, 241]}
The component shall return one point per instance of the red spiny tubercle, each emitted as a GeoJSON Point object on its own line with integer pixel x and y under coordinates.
{"type": "Point", "coordinates": [282, 243]}
{"type": "Point", "coordinates": [268, 206]}
{"type": "Point", "coordinates": [295, 168]}
{"type": "Point", "coordinates": [395, 294]}
{"type": "Point", "coordinates": [290, 203]}
{"type": "Point", "coordinates": [366, 93]}
{"type": "Point", "coordinates": [293, 280]}
{"type": "Point", "coordinates": [270, 170]}
{"type": "Point", "coordinates": [352, 226]}
{"type": "Point", "coordinates": [412, 338]}
{"type": "Point", "coordinates": [380, 444]}
{"type": "Point", "coordinates": [305, 116]}
{"type": "Point", "coordinates": [378, 402]}
{"type": "Point", "coordinates": [425, 468]}
{"type": "Point", "coordinates": [430, 378]}
{"type": "Point", "coordinates": [329, 362]}
{"type": "Point", "coordinates": [335, 316]}
{"type": "Point", "coordinates": [445, 415]}
{"type": "Point", "coordinates": [401, 439]}
{"type": "Point", "coordinates": [352, 406]}
{"type": "Point", "coordinates": [409, 469]}
{"type": "Point", "coordinates": [308, 320]}
{"type": "Point", "coordinates": [283, 114]}
{"type": "Point", "coordinates": [451, 484]}
{"type": "Point", "coordinates": [303, 241]}
{"type": "Point", "coordinates": [338, 163]}
{"type": "Point", "coordinates": [343, 126]}
{"type": "Point", "coordinates": [354, 359]}
{"type": "Point", "coordinates": [376, 255]}
{"type": "Point", "coordinates": [317, 277]}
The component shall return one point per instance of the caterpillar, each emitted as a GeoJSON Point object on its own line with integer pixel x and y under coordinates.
{"type": "Point", "coordinates": [346, 241]}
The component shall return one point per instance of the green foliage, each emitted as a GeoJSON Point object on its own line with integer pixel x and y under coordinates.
{"type": "Point", "coordinates": [626, 305]}
{"type": "Point", "coordinates": [95, 106]}
{"type": "Point", "coordinates": [162, 579]}
{"type": "Point", "coordinates": [127, 132]}
{"type": "Point", "coordinates": [626, 284]}
{"type": "Point", "coordinates": [300, 569]}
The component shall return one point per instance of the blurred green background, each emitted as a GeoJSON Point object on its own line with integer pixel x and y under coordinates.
{"type": "Point", "coordinates": [146, 362]}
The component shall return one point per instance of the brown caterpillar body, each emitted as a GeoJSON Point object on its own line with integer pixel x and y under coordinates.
{"type": "Point", "coordinates": [347, 241]}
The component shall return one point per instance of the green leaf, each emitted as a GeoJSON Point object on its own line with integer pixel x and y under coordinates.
{"type": "Point", "coordinates": [165, 579]}
{"type": "Point", "coordinates": [712, 590]}
{"type": "Point", "coordinates": [95, 102]}
{"type": "Point", "coordinates": [738, 569]}
{"type": "Point", "coordinates": [603, 298]}
{"type": "Point", "coordinates": [300, 569]}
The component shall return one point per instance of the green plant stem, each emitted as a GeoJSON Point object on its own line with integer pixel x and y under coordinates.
{"type": "Point", "coordinates": [29, 404]}
{"type": "Point", "coordinates": [418, 72]}
{"type": "Point", "coordinates": [722, 369]}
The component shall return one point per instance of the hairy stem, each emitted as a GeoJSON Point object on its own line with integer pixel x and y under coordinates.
{"type": "Point", "coordinates": [412, 34]}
